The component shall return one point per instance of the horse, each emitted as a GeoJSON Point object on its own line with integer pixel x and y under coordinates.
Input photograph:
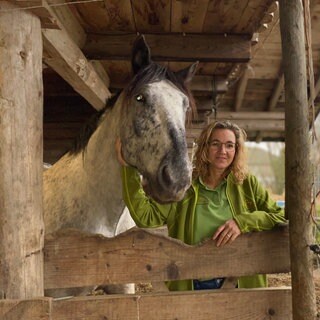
{"type": "Point", "coordinates": [83, 190]}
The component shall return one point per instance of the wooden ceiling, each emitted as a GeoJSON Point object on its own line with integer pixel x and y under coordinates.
{"type": "Point", "coordinates": [86, 58]}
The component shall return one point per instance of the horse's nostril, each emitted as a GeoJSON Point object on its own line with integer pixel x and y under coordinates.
{"type": "Point", "coordinates": [165, 176]}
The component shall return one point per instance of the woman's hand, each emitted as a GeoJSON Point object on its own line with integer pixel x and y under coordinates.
{"type": "Point", "coordinates": [119, 152]}
{"type": "Point", "coordinates": [226, 233]}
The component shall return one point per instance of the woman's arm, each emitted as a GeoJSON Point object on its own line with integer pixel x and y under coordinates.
{"type": "Point", "coordinates": [144, 211]}
{"type": "Point", "coordinates": [262, 212]}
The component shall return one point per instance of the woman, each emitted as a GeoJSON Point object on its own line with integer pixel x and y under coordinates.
{"type": "Point", "coordinates": [223, 202]}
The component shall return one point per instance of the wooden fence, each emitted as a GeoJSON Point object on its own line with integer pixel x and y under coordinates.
{"type": "Point", "coordinates": [73, 259]}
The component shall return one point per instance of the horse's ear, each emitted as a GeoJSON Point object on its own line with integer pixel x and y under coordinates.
{"type": "Point", "coordinates": [141, 56]}
{"type": "Point", "coordinates": [187, 74]}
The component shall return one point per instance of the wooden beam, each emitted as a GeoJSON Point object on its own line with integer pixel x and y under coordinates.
{"type": "Point", "coordinates": [32, 309]}
{"type": "Point", "coordinates": [316, 91]}
{"type": "Point", "coordinates": [63, 55]}
{"type": "Point", "coordinates": [298, 168]}
{"type": "Point", "coordinates": [276, 93]}
{"type": "Point", "coordinates": [246, 115]}
{"type": "Point", "coordinates": [39, 8]}
{"type": "Point", "coordinates": [213, 84]}
{"type": "Point", "coordinates": [247, 125]}
{"type": "Point", "coordinates": [269, 303]}
{"type": "Point", "coordinates": [62, 52]}
{"type": "Point", "coordinates": [173, 47]}
{"type": "Point", "coordinates": [21, 103]}
{"type": "Point", "coordinates": [74, 259]}
{"type": "Point", "coordinates": [55, 17]}
{"type": "Point", "coordinates": [241, 89]}
{"type": "Point", "coordinates": [69, 23]}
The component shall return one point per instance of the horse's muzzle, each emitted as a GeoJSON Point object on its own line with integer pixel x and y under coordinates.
{"type": "Point", "coordinates": [172, 181]}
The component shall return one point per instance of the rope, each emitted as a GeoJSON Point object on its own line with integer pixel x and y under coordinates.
{"type": "Point", "coordinates": [52, 5]}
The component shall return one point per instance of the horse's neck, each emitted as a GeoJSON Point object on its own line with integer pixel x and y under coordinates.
{"type": "Point", "coordinates": [84, 191]}
{"type": "Point", "coordinates": [102, 170]}
{"type": "Point", "coordinates": [100, 161]}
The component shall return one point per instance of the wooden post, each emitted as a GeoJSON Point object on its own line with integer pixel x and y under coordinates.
{"type": "Point", "coordinates": [298, 166]}
{"type": "Point", "coordinates": [21, 100]}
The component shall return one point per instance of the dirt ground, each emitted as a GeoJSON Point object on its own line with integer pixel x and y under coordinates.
{"type": "Point", "coordinates": [278, 280]}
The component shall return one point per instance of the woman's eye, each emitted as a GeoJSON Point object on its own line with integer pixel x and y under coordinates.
{"type": "Point", "coordinates": [140, 98]}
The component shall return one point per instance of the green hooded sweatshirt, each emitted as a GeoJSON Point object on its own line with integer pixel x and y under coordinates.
{"type": "Point", "coordinates": [251, 206]}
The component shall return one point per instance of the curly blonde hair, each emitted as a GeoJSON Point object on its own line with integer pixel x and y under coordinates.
{"type": "Point", "coordinates": [201, 161]}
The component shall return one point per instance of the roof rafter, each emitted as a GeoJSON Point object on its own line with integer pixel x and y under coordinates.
{"type": "Point", "coordinates": [173, 47]}
{"type": "Point", "coordinates": [65, 57]}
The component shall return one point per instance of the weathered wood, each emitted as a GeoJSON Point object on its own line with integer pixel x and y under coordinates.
{"type": "Point", "coordinates": [36, 309]}
{"type": "Point", "coordinates": [21, 97]}
{"type": "Point", "coordinates": [188, 16]}
{"type": "Point", "coordinates": [38, 8]}
{"type": "Point", "coordinates": [72, 259]}
{"type": "Point", "coordinates": [272, 303]}
{"type": "Point", "coordinates": [278, 89]}
{"type": "Point", "coordinates": [151, 22]}
{"type": "Point", "coordinates": [246, 124]}
{"type": "Point", "coordinates": [253, 304]}
{"type": "Point", "coordinates": [297, 163]}
{"type": "Point", "coordinates": [241, 89]}
{"type": "Point", "coordinates": [172, 47]}
{"type": "Point", "coordinates": [251, 115]}
{"type": "Point", "coordinates": [64, 56]}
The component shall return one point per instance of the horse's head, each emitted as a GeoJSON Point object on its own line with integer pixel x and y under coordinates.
{"type": "Point", "coordinates": [153, 125]}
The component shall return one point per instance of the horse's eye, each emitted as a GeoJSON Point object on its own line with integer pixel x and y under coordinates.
{"type": "Point", "coordinates": [140, 98]}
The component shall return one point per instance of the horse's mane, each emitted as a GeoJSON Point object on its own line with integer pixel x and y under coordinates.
{"type": "Point", "coordinates": [153, 72]}
{"type": "Point", "coordinates": [89, 128]}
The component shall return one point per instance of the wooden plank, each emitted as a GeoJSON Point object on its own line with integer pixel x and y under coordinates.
{"type": "Point", "coordinates": [188, 16]}
{"type": "Point", "coordinates": [64, 56]}
{"type": "Point", "coordinates": [21, 98]}
{"type": "Point", "coordinates": [316, 91]}
{"type": "Point", "coordinates": [72, 259]}
{"type": "Point", "coordinates": [252, 115]}
{"type": "Point", "coordinates": [216, 84]}
{"type": "Point", "coordinates": [248, 116]}
{"type": "Point", "coordinates": [67, 21]}
{"type": "Point", "coordinates": [242, 87]}
{"type": "Point", "coordinates": [276, 93]}
{"type": "Point", "coordinates": [253, 304]}
{"type": "Point", "coordinates": [38, 8]}
{"type": "Point", "coordinates": [152, 15]}
{"type": "Point", "coordinates": [36, 309]}
{"type": "Point", "coordinates": [247, 125]}
{"type": "Point", "coordinates": [173, 47]}
{"type": "Point", "coordinates": [235, 16]}
{"type": "Point", "coordinates": [104, 16]}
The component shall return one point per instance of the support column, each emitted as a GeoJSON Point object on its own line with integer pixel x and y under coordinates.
{"type": "Point", "coordinates": [297, 163]}
{"type": "Point", "coordinates": [21, 104]}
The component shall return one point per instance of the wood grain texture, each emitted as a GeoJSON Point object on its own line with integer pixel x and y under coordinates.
{"type": "Point", "coordinates": [74, 259]}
{"type": "Point", "coordinates": [21, 98]}
{"type": "Point", "coordinates": [36, 309]}
{"type": "Point", "coordinates": [216, 305]}
{"type": "Point", "coordinates": [173, 47]}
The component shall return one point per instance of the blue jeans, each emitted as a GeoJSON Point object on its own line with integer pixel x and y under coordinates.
{"type": "Point", "coordinates": [215, 283]}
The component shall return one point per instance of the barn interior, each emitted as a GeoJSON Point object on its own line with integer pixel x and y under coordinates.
{"type": "Point", "coordinates": [86, 58]}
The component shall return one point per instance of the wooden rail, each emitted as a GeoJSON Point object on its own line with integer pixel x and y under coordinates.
{"type": "Point", "coordinates": [75, 259]}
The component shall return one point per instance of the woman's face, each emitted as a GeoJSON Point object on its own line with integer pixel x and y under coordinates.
{"type": "Point", "coordinates": [222, 148]}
